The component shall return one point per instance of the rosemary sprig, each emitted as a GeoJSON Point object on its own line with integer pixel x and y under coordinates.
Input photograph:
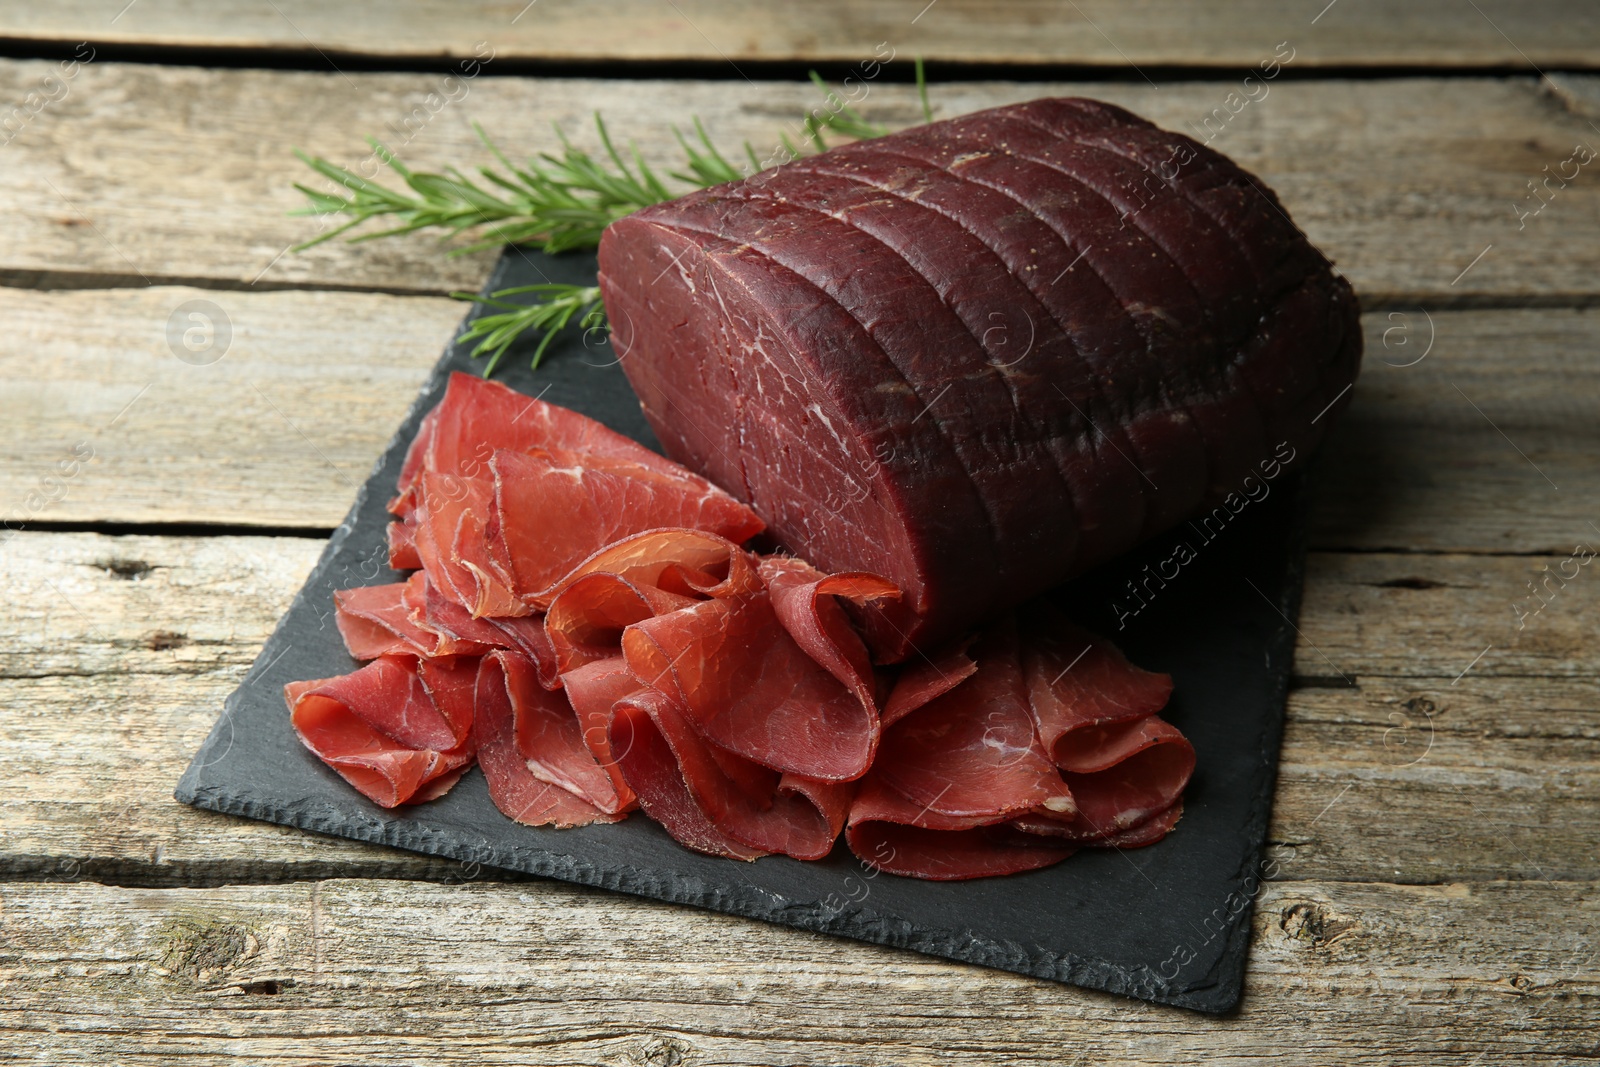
{"type": "Point", "coordinates": [561, 304]}
{"type": "Point", "coordinates": [554, 202]}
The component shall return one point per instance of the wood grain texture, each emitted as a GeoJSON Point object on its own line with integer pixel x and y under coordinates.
{"type": "Point", "coordinates": [117, 652]}
{"type": "Point", "coordinates": [140, 173]}
{"type": "Point", "coordinates": [291, 417]}
{"type": "Point", "coordinates": [1091, 32]}
{"type": "Point", "coordinates": [401, 973]}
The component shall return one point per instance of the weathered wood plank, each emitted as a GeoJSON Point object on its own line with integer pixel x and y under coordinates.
{"type": "Point", "coordinates": [116, 654]}
{"type": "Point", "coordinates": [282, 427]}
{"type": "Point", "coordinates": [174, 174]}
{"type": "Point", "coordinates": [1093, 32]}
{"type": "Point", "coordinates": [280, 430]}
{"type": "Point", "coordinates": [544, 973]}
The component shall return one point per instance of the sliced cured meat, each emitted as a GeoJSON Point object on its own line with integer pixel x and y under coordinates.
{"type": "Point", "coordinates": [593, 690]}
{"type": "Point", "coordinates": [477, 416]}
{"type": "Point", "coordinates": [404, 501]}
{"type": "Point", "coordinates": [1151, 767]}
{"type": "Point", "coordinates": [555, 508]}
{"type": "Point", "coordinates": [525, 634]}
{"type": "Point", "coordinates": [688, 563]}
{"type": "Point", "coordinates": [894, 834]}
{"type": "Point", "coordinates": [454, 548]}
{"type": "Point", "coordinates": [651, 768]}
{"type": "Point", "coordinates": [394, 737]}
{"type": "Point", "coordinates": [457, 630]}
{"type": "Point", "coordinates": [585, 622]}
{"type": "Point", "coordinates": [749, 688]}
{"type": "Point", "coordinates": [389, 695]}
{"type": "Point", "coordinates": [744, 802]}
{"type": "Point", "coordinates": [789, 338]}
{"type": "Point", "coordinates": [1083, 691]}
{"type": "Point", "coordinates": [515, 789]}
{"type": "Point", "coordinates": [375, 620]}
{"type": "Point", "coordinates": [973, 752]}
{"type": "Point", "coordinates": [806, 602]}
{"type": "Point", "coordinates": [403, 544]}
{"type": "Point", "coordinates": [922, 679]}
{"type": "Point", "coordinates": [1078, 832]}
{"type": "Point", "coordinates": [550, 738]}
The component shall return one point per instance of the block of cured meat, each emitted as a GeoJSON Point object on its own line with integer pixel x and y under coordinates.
{"type": "Point", "coordinates": [979, 356]}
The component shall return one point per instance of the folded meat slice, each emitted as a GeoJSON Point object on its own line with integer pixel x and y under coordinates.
{"type": "Point", "coordinates": [894, 834]}
{"type": "Point", "coordinates": [689, 563]}
{"type": "Point", "coordinates": [1139, 776]}
{"type": "Point", "coordinates": [748, 687]}
{"type": "Point", "coordinates": [550, 737]}
{"type": "Point", "coordinates": [807, 603]}
{"type": "Point", "coordinates": [397, 732]}
{"type": "Point", "coordinates": [477, 416]}
{"type": "Point", "coordinates": [586, 620]}
{"type": "Point", "coordinates": [972, 752]}
{"type": "Point", "coordinates": [924, 678]}
{"type": "Point", "coordinates": [519, 793]}
{"type": "Point", "coordinates": [375, 620]}
{"type": "Point", "coordinates": [651, 769]}
{"type": "Point", "coordinates": [554, 508]}
{"type": "Point", "coordinates": [594, 689]}
{"type": "Point", "coordinates": [454, 546]}
{"type": "Point", "coordinates": [713, 800]}
{"type": "Point", "coordinates": [1096, 716]}
{"type": "Point", "coordinates": [1082, 690]}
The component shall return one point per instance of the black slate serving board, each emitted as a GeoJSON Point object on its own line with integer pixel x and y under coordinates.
{"type": "Point", "coordinates": [1168, 923]}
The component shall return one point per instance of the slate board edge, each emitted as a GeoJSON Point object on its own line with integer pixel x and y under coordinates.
{"type": "Point", "coordinates": [1217, 992]}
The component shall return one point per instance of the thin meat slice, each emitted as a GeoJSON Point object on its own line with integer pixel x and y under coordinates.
{"type": "Point", "coordinates": [585, 622]}
{"type": "Point", "coordinates": [382, 730]}
{"type": "Point", "coordinates": [525, 634]}
{"type": "Point", "coordinates": [477, 416]}
{"type": "Point", "coordinates": [550, 737]}
{"type": "Point", "coordinates": [1146, 832]}
{"type": "Point", "coordinates": [388, 694]}
{"type": "Point", "coordinates": [1082, 690]}
{"type": "Point", "coordinates": [452, 622]}
{"type": "Point", "coordinates": [745, 802]}
{"type": "Point", "coordinates": [688, 563]}
{"type": "Point", "coordinates": [973, 751]}
{"type": "Point", "coordinates": [515, 790]}
{"type": "Point", "coordinates": [807, 604]}
{"type": "Point", "coordinates": [555, 508]}
{"type": "Point", "coordinates": [651, 768]}
{"type": "Point", "coordinates": [375, 620]}
{"type": "Point", "coordinates": [923, 679]}
{"type": "Point", "coordinates": [1153, 767]}
{"type": "Point", "coordinates": [594, 689]}
{"type": "Point", "coordinates": [453, 546]}
{"type": "Point", "coordinates": [405, 499]}
{"type": "Point", "coordinates": [402, 535]}
{"type": "Point", "coordinates": [749, 688]}
{"type": "Point", "coordinates": [379, 767]}
{"type": "Point", "coordinates": [897, 835]}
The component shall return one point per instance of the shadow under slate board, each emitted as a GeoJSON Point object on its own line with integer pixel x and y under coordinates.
{"type": "Point", "coordinates": [1167, 923]}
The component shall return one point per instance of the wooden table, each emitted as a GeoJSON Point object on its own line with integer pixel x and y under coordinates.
{"type": "Point", "coordinates": [1437, 820]}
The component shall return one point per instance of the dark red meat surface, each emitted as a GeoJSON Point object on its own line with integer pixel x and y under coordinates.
{"type": "Point", "coordinates": [979, 356]}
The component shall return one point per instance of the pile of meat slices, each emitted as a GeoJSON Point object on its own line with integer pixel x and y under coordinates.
{"type": "Point", "coordinates": [584, 624]}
